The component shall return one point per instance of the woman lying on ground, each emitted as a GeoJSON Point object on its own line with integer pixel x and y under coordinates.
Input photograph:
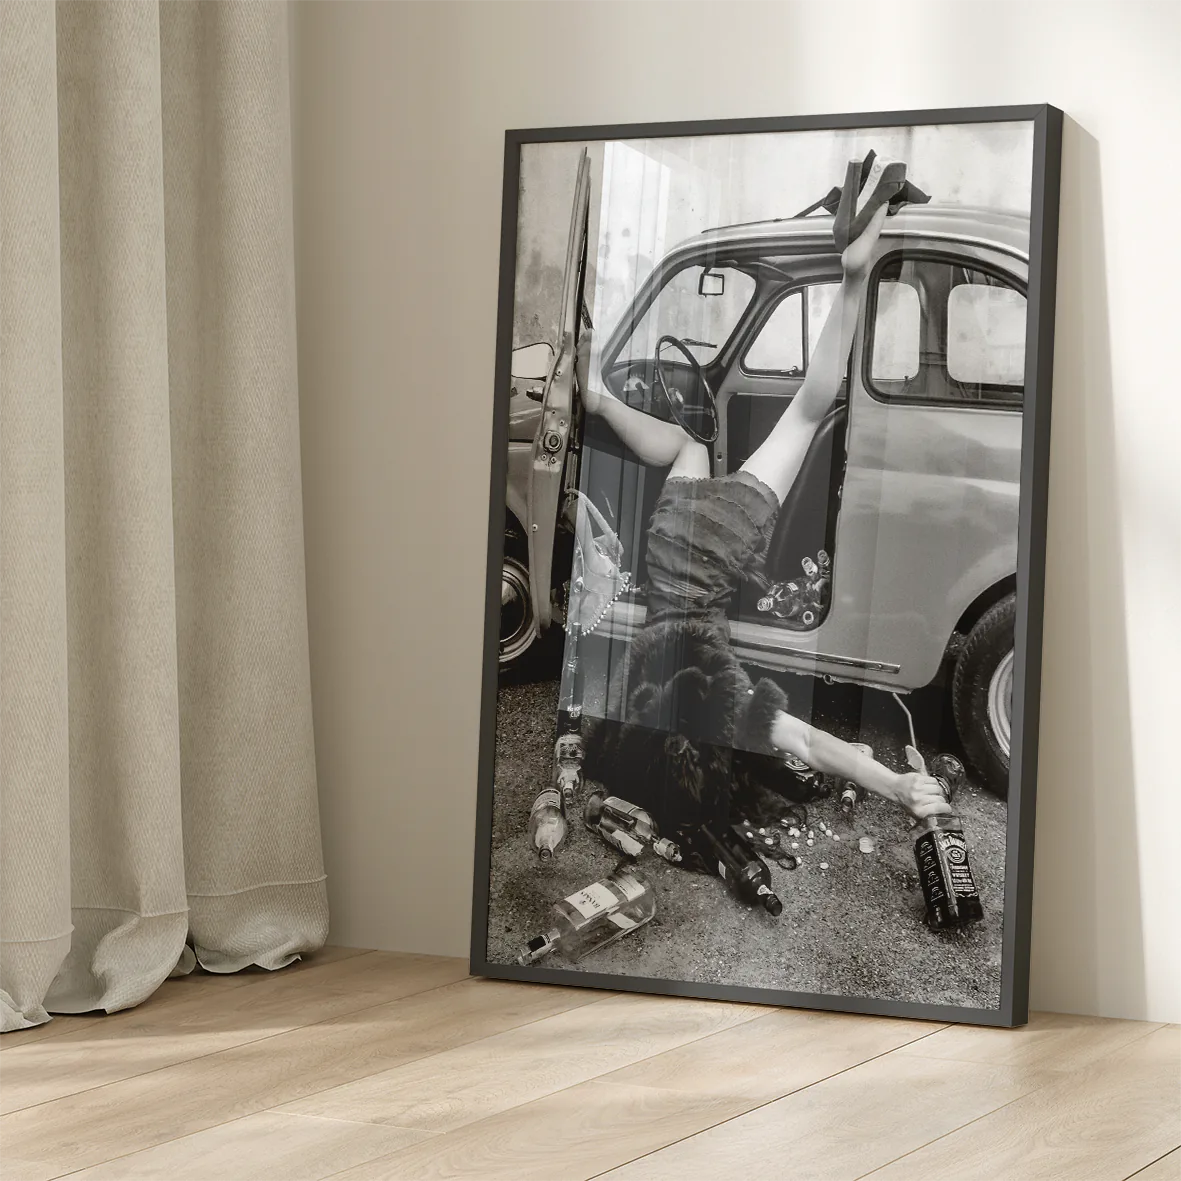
{"type": "Point", "coordinates": [696, 730]}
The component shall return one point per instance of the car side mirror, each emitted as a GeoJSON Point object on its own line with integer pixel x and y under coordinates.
{"type": "Point", "coordinates": [711, 283]}
{"type": "Point", "coordinates": [531, 362]}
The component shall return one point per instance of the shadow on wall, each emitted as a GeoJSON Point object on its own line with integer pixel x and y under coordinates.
{"type": "Point", "coordinates": [1087, 859]}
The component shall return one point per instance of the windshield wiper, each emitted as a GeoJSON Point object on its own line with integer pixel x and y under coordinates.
{"type": "Point", "coordinates": [701, 344]}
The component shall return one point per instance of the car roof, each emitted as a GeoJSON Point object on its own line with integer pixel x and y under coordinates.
{"type": "Point", "coordinates": [981, 224]}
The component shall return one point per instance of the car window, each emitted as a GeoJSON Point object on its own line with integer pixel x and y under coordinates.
{"type": "Point", "coordinates": [897, 332]}
{"type": "Point", "coordinates": [779, 346]}
{"type": "Point", "coordinates": [946, 332]}
{"type": "Point", "coordinates": [703, 322]}
{"type": "Point", "coordinates": [986, 335]}
{"type": "Point", "coordinates": [787, 338]}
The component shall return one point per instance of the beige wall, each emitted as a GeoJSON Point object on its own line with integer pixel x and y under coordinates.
{"type": "Point", "coordinates": [401, 110]}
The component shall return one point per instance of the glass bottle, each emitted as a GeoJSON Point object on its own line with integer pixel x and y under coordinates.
{"type": "Point", "coordinates": [630, 818]}
{"type": "Point", "coordinates": [595, 916]}
{"type": "Point", "coordinates": [945, 873]}
{"type": "Point", "coordinates": [568, 756]}
{"type": "Point", "coordinates": [745, 873]}
{"type": "Point", "coordinates": [547, 822]}
{"type": "Point", "coordinates": [617, 836]}
{"type": "Point", "coordinates": [949, 773]}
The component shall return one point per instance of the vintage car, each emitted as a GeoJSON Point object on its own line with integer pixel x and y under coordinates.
{"type": "Point", "coordinates": [897, 548]}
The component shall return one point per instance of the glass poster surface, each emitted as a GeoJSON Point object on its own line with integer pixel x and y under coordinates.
{"type": "Point", "coordinates": [761, 676]}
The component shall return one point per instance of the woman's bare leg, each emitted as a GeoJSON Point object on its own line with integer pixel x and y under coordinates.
{"type": "Point", "coordinates": [778, 459]}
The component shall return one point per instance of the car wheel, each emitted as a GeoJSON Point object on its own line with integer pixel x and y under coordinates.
{"type": "Point", "coordinates": [518, 621]}
{"type": "Point", "coordinates": [982, 694]}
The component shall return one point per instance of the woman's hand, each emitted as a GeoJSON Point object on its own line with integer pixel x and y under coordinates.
{"type": "Point", "coordinates": [921, 795]}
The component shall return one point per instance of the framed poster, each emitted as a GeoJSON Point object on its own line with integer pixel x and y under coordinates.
{"type": "Point", "coordinates": [766, 560]}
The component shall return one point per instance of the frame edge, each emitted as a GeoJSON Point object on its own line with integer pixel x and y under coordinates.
{"type": "Point", "coordinates": [1031, 562]}
{"type": "Point", "coordinates": [486, 765]}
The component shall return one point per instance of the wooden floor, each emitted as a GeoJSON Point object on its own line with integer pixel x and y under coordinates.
{"type": "Point", "coordinates": [368, 1065]}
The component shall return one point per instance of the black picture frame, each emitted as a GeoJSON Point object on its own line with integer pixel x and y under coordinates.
{"type": "Point", "coordinates": [1047, 124]}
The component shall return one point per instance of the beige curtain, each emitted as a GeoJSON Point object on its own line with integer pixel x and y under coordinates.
{"type": "Point", "coordinates": [158, 781]}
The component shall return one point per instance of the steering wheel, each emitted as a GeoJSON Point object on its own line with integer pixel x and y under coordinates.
{"type": "Point", "coordinates": [707, 414]}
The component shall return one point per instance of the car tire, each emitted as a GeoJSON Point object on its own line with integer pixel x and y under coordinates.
{"type": "Point", "coordinates": [982, 697]}
{"type": "Point", "coordinates": [518, 620]}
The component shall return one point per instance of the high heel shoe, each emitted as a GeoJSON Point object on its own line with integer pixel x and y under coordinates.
{"type": "Point", "coordinates": [869, 184]}
{"type": "Point", "coordinates": [908, 194]}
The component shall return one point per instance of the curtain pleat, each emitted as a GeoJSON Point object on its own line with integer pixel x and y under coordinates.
{"type": "Point", "coordinates": [35, 920]}
{"type": "Point", "coordinates": [186, 712]}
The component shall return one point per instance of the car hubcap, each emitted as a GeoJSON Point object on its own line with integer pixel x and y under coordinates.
{"type": "Point", "coordinates": [516, 611]}
{"type": "Point", "coordinates": [1000, 702]}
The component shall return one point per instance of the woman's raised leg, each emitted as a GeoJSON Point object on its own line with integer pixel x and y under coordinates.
{"type": "Point", "coordinates": [777, 460]}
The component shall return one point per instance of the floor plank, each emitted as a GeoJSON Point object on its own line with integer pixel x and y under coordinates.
{"type": "Point", "coordinates": [278, 1147]}
{"type": "Point", "coordinates": [780, 1052]}
{"type": "Point", "coordinates": [1166, 1168]}
{"type": "Point", "coordinates": [90, 1128]}
{"type": "Point", "coordinates": [124, 1045]}
{"type": "Point", "coordinates": [1103, 1122]}
{"type": "Point", "coordinates": [482, 1078]}
{"type": "Point", "coordinates": [1058, 1041]}
{"type": "Point", "coordinates": [63, 1023]}
{"type": "Point", "coordinates": [179, 990]}
{"type": "Point", "coordinates": [371, 1065]}
{"type": "Point", "coordinates": [568, 1136]}
{"type": "Point", "coordinates": [842, 1127]}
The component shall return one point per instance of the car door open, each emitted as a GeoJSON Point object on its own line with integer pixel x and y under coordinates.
{"type": "Point", "coordinates": [552, 440]}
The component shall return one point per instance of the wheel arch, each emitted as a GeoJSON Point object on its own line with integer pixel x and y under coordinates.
{"type": "Point", "coordinates": [513, 529]}
{"type": "Point", "coordinates": [982, 602]}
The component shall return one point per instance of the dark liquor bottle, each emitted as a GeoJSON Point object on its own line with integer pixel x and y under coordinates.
{"type": "Point", "coordinates": [949, 772]}
{"type": "Point", "coordinates": [945, 873]}
{"type": "Point", "coordinates": [745, 873]}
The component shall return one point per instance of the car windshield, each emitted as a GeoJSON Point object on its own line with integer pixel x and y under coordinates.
{"type": "Point", "coordinates": [698, 305]}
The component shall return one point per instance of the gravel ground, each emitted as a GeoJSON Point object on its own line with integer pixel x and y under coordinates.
{"type": "Point", "coordinates": [855, 929]}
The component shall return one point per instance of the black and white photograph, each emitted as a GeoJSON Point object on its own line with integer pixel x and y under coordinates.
{"type": "Point", "coordinates": [754, 718]}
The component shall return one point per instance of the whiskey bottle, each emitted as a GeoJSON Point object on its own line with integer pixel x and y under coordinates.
{"type": "Point", "coordinates": [593, 917]}
{"type": "Point", "coordinates": [745, 873]}
{"type": "Point", "coordinates": [945, 874]}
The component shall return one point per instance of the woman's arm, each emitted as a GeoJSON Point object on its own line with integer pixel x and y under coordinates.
{"type": "Point", "coordinates": [921, 795]}
{"type": "Point", "coordinates": [655, 442]}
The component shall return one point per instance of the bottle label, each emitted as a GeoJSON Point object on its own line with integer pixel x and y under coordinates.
{"type": "Point", "coordinates": [549, 798]}
{"type": "Point", "coordinates": [620, 920]}
{"type": "Point", "coordinates": [631, 887]}
{"type": "Point", "coordinates": [930, 871]}
{"type": "Point", "coordinates": [959, 873]}
{"type": "Point", "coordinates": [594, 900]}
{"type": "Point", "coordinates": [622, 841]}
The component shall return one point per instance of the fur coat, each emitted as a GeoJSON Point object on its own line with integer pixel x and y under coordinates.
{"type": "Point", "coordinates": [694, 746]}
